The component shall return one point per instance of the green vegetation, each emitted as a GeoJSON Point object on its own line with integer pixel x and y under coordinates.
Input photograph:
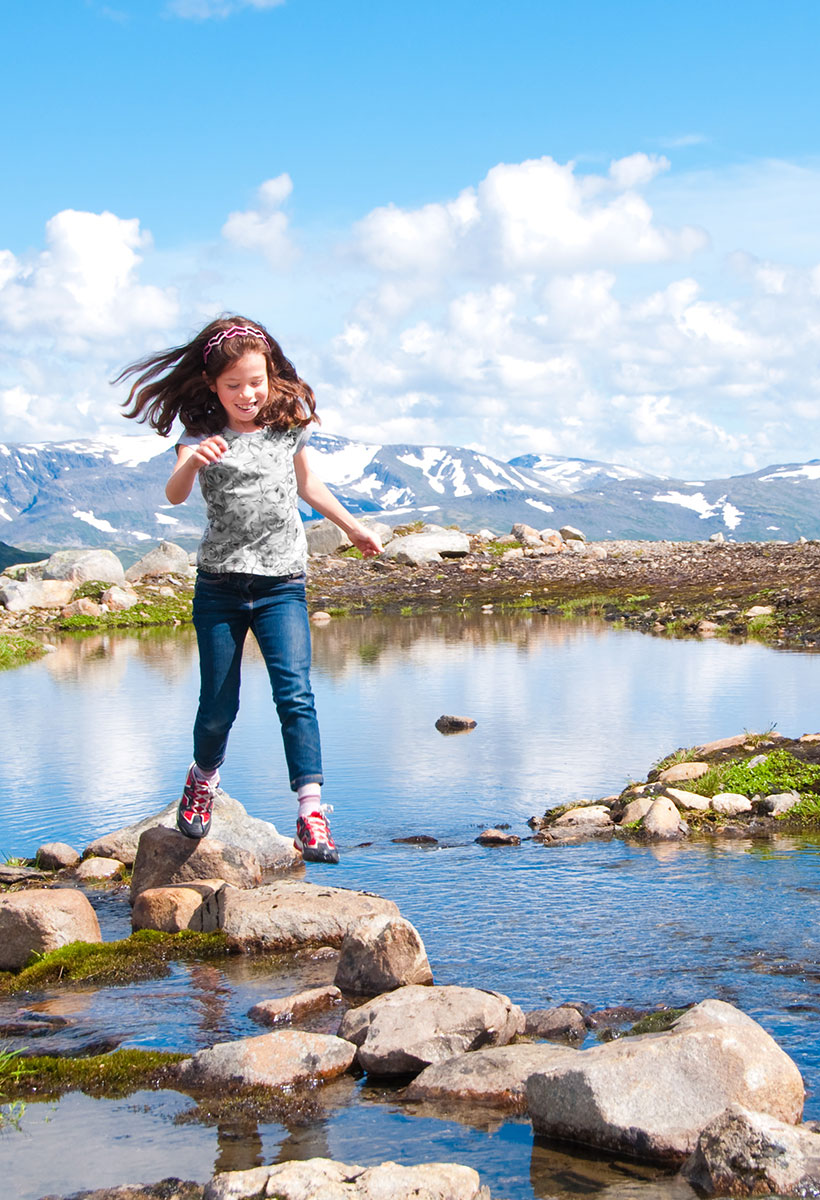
{"type": "Point", "coordinates": [151, 609]}
{"type": "Point", "coordinates": [116, 1074]}
{"type": "Point", "coordinates": [16, 650]}
{"type": "Point", "coordinates": [656, 1022]}
{"type": "Point", "coordinates": [11, 1070]}
{"type": "Point", "coordinates": [141, 956]}
{"type": "Point", "coordinates": [781, 771]}
{"type": "Point", "coordinates": [682, 755]}
{"type": "Point", "coordinates": [351, 552]}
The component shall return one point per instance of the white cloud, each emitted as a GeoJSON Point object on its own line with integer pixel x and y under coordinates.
{"type": "Point", "coordinates": [203, 10]}
{"type": "Point", "coordinates": [534, 215]}
{"type": "Point", "coordinates": [265, 228]}
{"type": "Point", "coordinates": [84, 286]}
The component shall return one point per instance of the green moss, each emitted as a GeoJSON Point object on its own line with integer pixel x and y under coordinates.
{"type": "Point", "coordinates": [16, 650]}
{"type": "Point", "coordinates": [141, 956]}
{"type": "Point", "coordinates": [656, 1022]}
{"type": "Point", "coordinates": [164, 610]}
{"type": "Point", "coordinates": [351, 552]}
{"type": "Point", "coordinates": [116, 1074]}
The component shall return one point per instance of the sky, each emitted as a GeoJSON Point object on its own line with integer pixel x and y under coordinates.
{"type": "Point", "coordinates": [582, 228]}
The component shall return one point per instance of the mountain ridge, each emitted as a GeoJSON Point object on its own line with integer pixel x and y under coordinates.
{"type": "Point", "coordinates": [110, 490]}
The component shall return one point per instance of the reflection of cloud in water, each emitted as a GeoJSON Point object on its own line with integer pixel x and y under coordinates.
{"type": "Point", "coordinates": [565, 710]}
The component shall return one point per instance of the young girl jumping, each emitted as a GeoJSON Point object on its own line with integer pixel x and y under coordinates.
{"type": "Point", "coordinates": [246, 414]}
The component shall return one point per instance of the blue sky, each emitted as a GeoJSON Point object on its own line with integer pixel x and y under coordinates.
{"type": "Point", "coordinates": [579, 228]}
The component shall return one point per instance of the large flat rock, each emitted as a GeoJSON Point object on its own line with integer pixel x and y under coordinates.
{"type": "Point", "coordinates": [324, 1179]}
{"type": "Point", "coordinates": [231, 825]}
{"type": "Point", "coordinates": [291, 913]}
{"type": "Point", "coordinates": [496, 1076]}
{"type": "Point", "coordinates": [286, 1058]}
{"type": "Point", "coordinates": [650, 1096]}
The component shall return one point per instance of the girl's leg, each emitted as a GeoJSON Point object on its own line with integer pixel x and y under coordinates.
{"type": "Point", "coordinates": [281, 627]}
{"type": "Point", "coordinates": [221, 620]}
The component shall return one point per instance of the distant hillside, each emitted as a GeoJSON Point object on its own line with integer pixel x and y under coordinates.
{"type": "Point", "coordinates": [10, 555]}
{"type": "Point", "coordinates": [110, 492]}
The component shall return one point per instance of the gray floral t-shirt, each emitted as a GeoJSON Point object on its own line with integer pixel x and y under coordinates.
{"type": "Point", "coordinates": [253, 517]}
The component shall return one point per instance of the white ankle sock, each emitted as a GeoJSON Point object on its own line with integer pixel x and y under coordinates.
{"type": "Point", "coordinates": [309, 797]}
{"type": "Point", "coordinates": [211, 777]}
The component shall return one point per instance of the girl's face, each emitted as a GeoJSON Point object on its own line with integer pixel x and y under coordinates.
{"type": "Point", "coordinates": [242, 390]}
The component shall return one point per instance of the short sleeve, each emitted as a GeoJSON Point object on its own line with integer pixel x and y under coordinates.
{"type": "Point", "coordinates": [191, 439]}
{"type": "Point", "coordinates": [303, 439]}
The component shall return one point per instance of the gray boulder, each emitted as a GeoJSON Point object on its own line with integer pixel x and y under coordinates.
{"type": "Point", "coordinates": [570, 534]}
{"type": "Point", "coordinates": [324, 1179]}
{"type": "Point", "coordinates": [81, 566]}
{"type": "Point", "coordinates": [379, 954]}
{"type": "Point", "coordinates": [286, 1058]}
{"type": "Point", "coordinates": [730, 804]}
{"type": "Point", "coordinates": [650, 1096]}
{"type": "Point", "coordinates": [166, 858]}
{"type": "Point", "coordinates": [496, 1076]}
{"type": "Point", "coordinates": [407, 1030]}
{"type": "Point", "coordinates": [165, 559]}
{"type": "Point", "coordinates": [743, 1153]}
{"type": "Point", "coordinates": [39, 920]}
{"type": "Point", "coordinates": [781, 802]}
{"type": "Point", "coordinates": [419, 548]}
{"type": "Point", "coordinates": [663, 821]}
{"type": "Point", "coordinates": [55, 856]}
{"type": "Point", "coordinates": [290, 913]}
{"type": "Point", "coordinates": [231, 825]}
{"type": "Point", "coordinates": [562, 1023]}
{"type": "Point", "coordinates": [47, 593]}
{"type": "Point", "coordinates": [323, 537]}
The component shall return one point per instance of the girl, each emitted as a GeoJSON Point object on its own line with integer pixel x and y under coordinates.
{"type": "Point", "coordinates": [246, 414]}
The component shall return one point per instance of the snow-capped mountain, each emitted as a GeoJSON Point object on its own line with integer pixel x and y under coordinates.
{"type": "Point", "coordinates": [110, 491]}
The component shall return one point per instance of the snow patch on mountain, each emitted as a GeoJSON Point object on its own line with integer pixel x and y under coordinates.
{"type": "Point", "coordinates": [809, 470]}
{"type": "Point", "coordinates": [94, 522]}
{"type": "Point", "coordinates": [703, 507]}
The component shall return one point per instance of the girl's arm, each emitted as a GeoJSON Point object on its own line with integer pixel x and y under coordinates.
{"type": "Point", "coordinates": [318, 496]}
{"type": "Point", "coordinates": [189, 460]}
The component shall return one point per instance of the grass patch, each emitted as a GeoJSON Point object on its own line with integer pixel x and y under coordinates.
{"type": "Point", "coordinates": [805, 814]}
{"type": "Point", "coordinates": [780, 772]}
{"type": "Point", "coordinates": [116, 1074]}
{"type": "Point", "coordinates": [682, 755]}
{"type": "Point", "coordinates": [16, 650]}
{"type": "Point", "coordinates": [143, 955]}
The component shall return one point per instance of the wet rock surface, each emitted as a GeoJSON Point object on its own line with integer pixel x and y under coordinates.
{"type": "Point", "coordinates": [496, 1076]}
{"type": "Point", "coordinates": [39, 920]}
{"type": "Point", "coordinates": [652, 1095]}
{"type": "Point", "coordinates": [340, 1181]}
{"type": "Point", "coordinates": [405, 1031]}
{"type": "Point", "coordinates": [381, 953]}
{"type": "Point", "coordinates": [285, 1058]}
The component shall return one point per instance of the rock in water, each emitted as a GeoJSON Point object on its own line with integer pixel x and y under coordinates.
{"type": "Point", "coordinates": [744, 1153]}
{"type": "Point", "coordinates": [379, 954]}
{"type": "Point", "coordinates": [39, 920]}
{"type": "Point", "coordinates": [413, 1027]}
{"type": "Point", "coordinates": [650, 1096]}
{"type": "Point", "coordinates": [323, 1179]}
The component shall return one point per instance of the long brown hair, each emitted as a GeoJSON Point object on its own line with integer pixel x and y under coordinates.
{"type": "Point", "coordinates": [175, 382]}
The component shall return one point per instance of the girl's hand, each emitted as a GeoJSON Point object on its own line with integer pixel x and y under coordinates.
{"type": "Point", "coordinates": [209, 451]}
{"type": "Point", "coordinates": [365, 541]}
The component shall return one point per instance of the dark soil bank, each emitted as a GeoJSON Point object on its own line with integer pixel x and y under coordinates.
{"type": "Point", "coordinates": [676, 588]}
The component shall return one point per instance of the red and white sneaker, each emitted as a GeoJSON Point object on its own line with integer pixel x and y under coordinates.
{"type": "Point", "coordinates": [196, 806]}
{"type": "Point", "coordinates": [313, 837]}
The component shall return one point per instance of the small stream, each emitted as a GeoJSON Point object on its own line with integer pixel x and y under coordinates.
{"type": "Point", "coordinates": [565, 711]}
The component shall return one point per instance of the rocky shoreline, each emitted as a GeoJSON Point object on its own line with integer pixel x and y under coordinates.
{"type": "Point", "coordinates": [703, 1091]}
{"type": "Point", "coordinates": [767, 591]}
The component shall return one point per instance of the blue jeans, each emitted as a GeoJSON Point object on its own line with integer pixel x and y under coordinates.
{"type": "Point", "coordinates": [226, 606]}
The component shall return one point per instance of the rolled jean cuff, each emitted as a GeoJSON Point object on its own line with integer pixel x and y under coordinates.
{"type": "Point", "coordinates": [301, 780]}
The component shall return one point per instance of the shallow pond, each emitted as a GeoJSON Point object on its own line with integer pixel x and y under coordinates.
{"type": "Point", "coordinates": [565, 711]}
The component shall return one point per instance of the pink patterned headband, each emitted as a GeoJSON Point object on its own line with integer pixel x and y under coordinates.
{"type": "Point", "coordinates": [234, 331]}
